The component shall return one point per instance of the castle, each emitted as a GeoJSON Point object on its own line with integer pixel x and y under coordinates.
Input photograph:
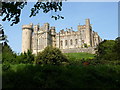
{"type": "Point", "coordinates": [36, 38]}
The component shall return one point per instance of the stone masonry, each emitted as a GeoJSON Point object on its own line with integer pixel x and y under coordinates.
{"type": "Point", "coordinates": [36, 38]}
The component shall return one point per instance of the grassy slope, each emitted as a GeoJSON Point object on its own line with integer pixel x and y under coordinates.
{"type": "Point", "coordinates": [26, 75]}
{"type": "Point", "coordinates": [79, 55]}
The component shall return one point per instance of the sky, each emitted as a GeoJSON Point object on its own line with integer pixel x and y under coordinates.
{"type": "Point", "coordinates": [103, 17]}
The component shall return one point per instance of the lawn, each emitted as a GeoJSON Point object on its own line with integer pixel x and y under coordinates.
{"type": "Point", "coordinates": [78, 56]}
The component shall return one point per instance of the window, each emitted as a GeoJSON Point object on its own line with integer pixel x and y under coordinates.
{"type": "Point", "coordinates": [95, 39]}
{"type": "Point", "coordinates": [76, 42]}
{"type": "Point", "coordinates": [71, 42]}
{"type": "Point", "coordinates": [65, 42]}
{"type": "Point", "coordinates": [61, 42]}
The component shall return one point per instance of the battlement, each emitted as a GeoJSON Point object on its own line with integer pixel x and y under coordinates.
{"type": "Point", "coordinates": [67, 40]}
{"type": "Point", "coordinates": [68, 32]}
{"type": "Point", "coordinates": [46, 23]}
{"type": "Point", "coordinates": [27, 27]}
{"type": "Point", "coordinates": [53, 28]}
{"type": "Point", "coordinates": [82, 26]}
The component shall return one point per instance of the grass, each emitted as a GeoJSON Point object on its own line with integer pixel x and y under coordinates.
{"type": "Point", "coordinates": [78, 56]}
{"type": "Point", "coordinates": [74, 75]}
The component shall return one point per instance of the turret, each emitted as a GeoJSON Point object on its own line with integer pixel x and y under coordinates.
{"type": "Point", "coordinates": [88, 23]}
{"type": "Point", "coordinates": [79, 28]}
{"type": "Point", "coordinates": [88, 33]}
{"type": "Point", "coordinates": [53, 32]}
{"type": "Point", "coordinates": [26, 37]}
{"type": "Point", "coordinates": [46, 26]}
{"type": "Point", "coordinates": [36, 28]}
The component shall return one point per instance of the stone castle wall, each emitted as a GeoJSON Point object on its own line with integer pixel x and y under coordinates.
{"type": "Point", "coordinates": [36, 38]}
{"type": "Point", "coordinates": [77, 50]}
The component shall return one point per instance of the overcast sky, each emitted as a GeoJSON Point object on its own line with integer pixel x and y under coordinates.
{"type": "Point", "coordinates": [103, 17]}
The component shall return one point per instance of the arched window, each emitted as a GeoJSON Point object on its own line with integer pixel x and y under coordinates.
{"type": "Point", "coordinates": [71, 42]}
{"type": "Point", "coordinates": [65, 42]}
{"type": "Point", "coordinates": [61, 42]}
{"type": "Point", "coordinates": [76, 41]}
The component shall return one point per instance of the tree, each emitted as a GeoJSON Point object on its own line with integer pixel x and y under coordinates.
{"type": "Point", "coordinates": [51, 55]}
{"type": "Point", "coordinates": [117, 48]}
{"type": "Point", "coordinates": [5, 51]}
{"type": "Point", "coordinates": [3, 37]}
{"type": "Point", "coordinates": [26, 58]}
{"type": "Point", "coordinates": [11, 11]}
{"type": "Point", "coordinates": [106, 50]}
{"type": "Point", "coordinates": [8, 56]}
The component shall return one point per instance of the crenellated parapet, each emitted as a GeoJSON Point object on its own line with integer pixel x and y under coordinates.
{"type": "Point", "coordinates": [37, 37]}
{"type": "Point", "coordinates": [30, 27]}
{"type": "Point", "coordinates": [68, 32]}
{"type": "Point", "coordinates": [81, 27]}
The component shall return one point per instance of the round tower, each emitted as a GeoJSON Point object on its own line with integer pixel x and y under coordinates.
{"type": "Point", "coordinates": [26, 37]}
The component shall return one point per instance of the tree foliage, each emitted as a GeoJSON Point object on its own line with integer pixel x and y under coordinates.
{"type": "Point", "coordinates": [8, 56]}
{"type": "Point", "coordinates": [3, 37]}
{"type": "Point", "coordinates": [25, 58]}
{"type": "Point", "coordinates": [117, 47]}
{"type": "Point", "coordinates": [51, 55]}
{"type": "Point", "coordinates": [11, 11]}
{"type": "Point", "coordinates": [107, 50]}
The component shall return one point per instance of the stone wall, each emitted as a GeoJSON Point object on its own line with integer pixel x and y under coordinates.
{"type": "Point", "coordinates": [68, 41]}
{"type": "Point", "coordinates": [76, 50]}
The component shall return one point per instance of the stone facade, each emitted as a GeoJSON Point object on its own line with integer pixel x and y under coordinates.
{"type": "Point", "coordinates": [36, 38]}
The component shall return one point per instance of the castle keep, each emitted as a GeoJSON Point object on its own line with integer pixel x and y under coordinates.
{"type": "Point", "coordinates": [36, 38]}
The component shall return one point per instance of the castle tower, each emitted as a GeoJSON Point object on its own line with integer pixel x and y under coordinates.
{"type": "Point", "coordinates": [88, 32]}
{"type": "Point", "coordinates": [53, 33]}
{"type": "Point", "coordinates": [46, 26]}
{"type": "Point", "coordinates": [79, 28]}
{"type": "Point", "coordinates": [47, 35]}
{"type": "Point", "coordinates": [35, 39]}
{"type": "Point", "coordinates": [26, 37]}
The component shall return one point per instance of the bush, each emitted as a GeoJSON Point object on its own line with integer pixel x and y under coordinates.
{"type": "Point", "coordinates": [116, 49]}
{"type": "Point", "coordinates": [70, 76]}
{"type": "Point", "coordinates": [85, 45]}
{"type": "Point", "coordinates": [8, 56]}
{"type": "Point", "coordinates": [5, 66]}
{"type": "Point", "coordinates": [106, 50]}
{"type": "Point", "coordinates": [51, 55]}
{"type": "Point", "coordinates": [25, 58]}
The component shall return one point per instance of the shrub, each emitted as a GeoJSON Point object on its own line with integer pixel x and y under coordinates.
{"type": "Point", "coordinates": [51, 55]}
{"type": "Point", "coordinates": [5, 66]}
{"type": "Point", "coordinates": [106, 50]}
{"type": "Point", "coordinates": [8, 56]}
{"type": "Point", "coordinates": [85, 45]}
{"type": "Point", "coordinates": [116, 47]}
{"type": "Point", "coordinates": [25, 58]}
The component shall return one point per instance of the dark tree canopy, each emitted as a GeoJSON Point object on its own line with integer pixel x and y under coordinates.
{"type": "Point", "coordinates": [3, 37]}
{"type": "Point", "coordinates": [11, 11]}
